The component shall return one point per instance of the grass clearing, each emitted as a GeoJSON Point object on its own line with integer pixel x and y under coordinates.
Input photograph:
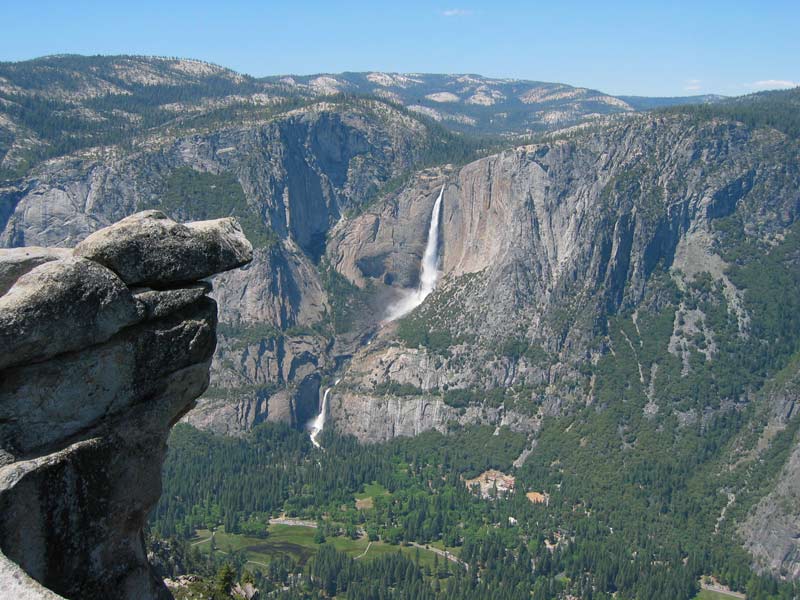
{"type": "Point", "coordinates": [372, 490]}
{"type": "Point", "coordinates": [713, 595]}
{"type": "Point", "coordinates": [365, 503]}
{"type": "Point", "coordinates": [366, 500]}
{"type": "Point", "coordinates": [297, 541]}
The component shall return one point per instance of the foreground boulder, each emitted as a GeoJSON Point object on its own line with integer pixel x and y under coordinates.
{"type": "Point", "coordinates": [15, 262]}
{"type": "Point", "coordinates": [62, 305]}
{"type": "Point", "coordinates": [184, 253]}
{"type": "Point", "coordinates": [93, 374]}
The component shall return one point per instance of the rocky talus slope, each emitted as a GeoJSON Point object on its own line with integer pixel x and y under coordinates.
{"type": "Point", "coordinates": [104, 347]}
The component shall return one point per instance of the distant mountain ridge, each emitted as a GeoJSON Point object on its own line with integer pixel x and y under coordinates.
{"type": "Point", "coordinates": [653, 102]}
{"type": "Point", "coordinates": [53, 105]}
{"type": "Point", "coordinates": [473, 103]}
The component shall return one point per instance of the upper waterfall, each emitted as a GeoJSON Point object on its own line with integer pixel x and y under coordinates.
{"type": "Point", "coordinates": [429, 270]}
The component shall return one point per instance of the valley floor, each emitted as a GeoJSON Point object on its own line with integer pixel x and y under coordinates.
{"type": "Point", "coordinates": [298, 542]}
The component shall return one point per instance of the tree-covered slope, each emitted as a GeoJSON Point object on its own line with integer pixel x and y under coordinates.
{"type": "Point", "coordinates": [779, 109]}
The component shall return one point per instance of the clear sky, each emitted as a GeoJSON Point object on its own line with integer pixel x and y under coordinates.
{"type": "Point", "coordinates": [646, 47]}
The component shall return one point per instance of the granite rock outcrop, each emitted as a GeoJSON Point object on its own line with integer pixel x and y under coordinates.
{"type": "Point", "coordinates": [93, 374]}
{"type": "Point", "coordinates": [287, 177]}
{"type": "Point", "coordinates": [771, 530]}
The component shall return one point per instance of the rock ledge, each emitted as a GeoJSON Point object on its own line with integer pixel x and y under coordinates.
{"type": "Point", "coordinates": [93, 374]}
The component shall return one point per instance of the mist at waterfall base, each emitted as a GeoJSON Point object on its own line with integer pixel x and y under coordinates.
{"type": "Point", "coordinates": [429, 270]}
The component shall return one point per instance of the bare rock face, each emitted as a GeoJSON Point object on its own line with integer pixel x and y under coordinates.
{"type": "Point", "coordinates": [540, 244]}
{"type": "Point", "coordinates": [279, 287]}
{"type": "Point", "coordinates": [387, 242]}
{"type": "Point", "coordinates": [378, 418]}
{"type": "Point", "coordinates": [281, 377]}
{"type": "Point", "coordinates": [95, 376]}
{"type": "Point", "coordinates": [186, 252]}
{"type": "Point", "coordinates": [15, 262]}
{"type": "Point", "coordinates": [771, 531]}
{"type": "Point", "coordinates": [62, 305]}
{"type": "Point", "coordinates": [298, 174]}
{"type": "Point", "coordinates": [362, 403]}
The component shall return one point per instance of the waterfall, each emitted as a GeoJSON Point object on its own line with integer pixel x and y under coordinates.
{"type": "Point", "coordinates": [318, 423]}
{"type": "Point", "coordinates": [429, 270]}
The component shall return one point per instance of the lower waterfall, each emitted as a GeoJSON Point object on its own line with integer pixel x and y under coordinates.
{"type": "Point", "coordinates": [316, 426]}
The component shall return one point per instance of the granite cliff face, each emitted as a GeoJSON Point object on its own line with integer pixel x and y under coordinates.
{"type": "Point", "coordinates": [771, 530]}
{"type": "Point", "coordinates": [538, 245]}
{"type": "Point", "coordinates": [105, 347]}
{"type": "Point", "coordinates": [611, 244]}
{"type": "Point", "coordinates": [298, 173]}
{"type": "Point", "coordinates": [541, 245]}
{"type": "Point", "coordinates": [288, 178]}
{"type": "Point", "coordinates": [559, 255]}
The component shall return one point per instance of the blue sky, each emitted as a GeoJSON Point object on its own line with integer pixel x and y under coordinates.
{"type": "Point", "coordinates": [646, 48]}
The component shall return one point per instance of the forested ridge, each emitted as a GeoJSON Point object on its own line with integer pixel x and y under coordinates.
{"type": "Point", "coordinates": [777, 109]}
{"type": "Point", "coordinates": [63, 104]}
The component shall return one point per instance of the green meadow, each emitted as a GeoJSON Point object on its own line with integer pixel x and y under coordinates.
{"type": "Point", "coordinates": [298, 542]}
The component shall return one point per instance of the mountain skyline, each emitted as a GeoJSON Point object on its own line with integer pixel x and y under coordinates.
{"type": "Point", "coordinates": [640, 101]}
{"type": "Point", "coordinates": [623, 49]}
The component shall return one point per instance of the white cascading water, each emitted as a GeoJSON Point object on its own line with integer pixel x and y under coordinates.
{"type": "Point", "coordinates": [318, 423]}
{"type": "Point", "coordinates": [429, 275]}
{"type": "Point", "coordinates": [429, 270]}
